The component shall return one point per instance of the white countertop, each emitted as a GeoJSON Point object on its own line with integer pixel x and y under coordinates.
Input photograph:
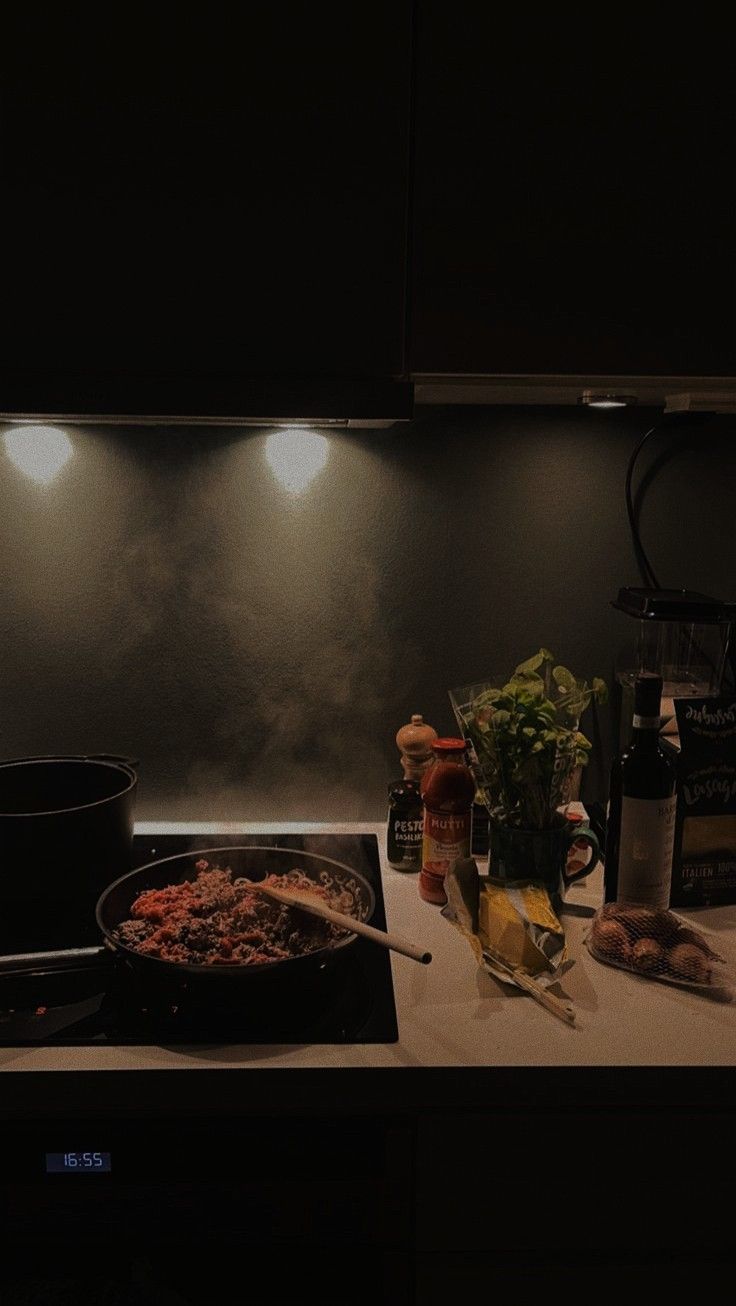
{"type": "Point", "coordinates": [450, 1013]}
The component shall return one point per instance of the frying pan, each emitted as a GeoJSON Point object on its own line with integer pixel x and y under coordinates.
{"type": "Point", "coordinates": [253, 863]}
{"type": "Point", "coordinates": [261, 993]}
{"type": "Point", "coordinates": [209, 982]}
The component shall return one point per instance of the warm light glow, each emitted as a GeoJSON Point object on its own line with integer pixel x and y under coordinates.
{"type": "Point", "coordinates": [296, 456]}
{"type": "Point", "coordinates": [38, 451]}
{"type": "Point", "coordinates": [599, 399]}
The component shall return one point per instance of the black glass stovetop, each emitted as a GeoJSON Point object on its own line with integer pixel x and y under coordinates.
{"type": "Point", "coordinates": [350, 1000]}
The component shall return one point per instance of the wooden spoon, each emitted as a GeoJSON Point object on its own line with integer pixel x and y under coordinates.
{"type": "Point", "coordinates": [315, 907]}
{"type": "Point", "coordinates": [563, 1010]}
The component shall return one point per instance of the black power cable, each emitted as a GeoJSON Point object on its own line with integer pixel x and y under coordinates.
{"type": "Point", "coordinates": [645, 566]}
{"type": "Point", "coordinates": [731, 659]}
{"type": "Point", "coordinates": [667, 421]}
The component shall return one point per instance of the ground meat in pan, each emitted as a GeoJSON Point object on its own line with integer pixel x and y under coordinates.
{"type": "Point", "coordinates": [215, 920]}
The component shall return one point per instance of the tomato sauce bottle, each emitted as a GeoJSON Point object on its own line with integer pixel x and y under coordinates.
{"type": "Point", "coordinates": [447, 791]}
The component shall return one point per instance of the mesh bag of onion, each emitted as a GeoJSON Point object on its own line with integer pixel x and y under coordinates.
{"type": "Point", "coordinates": [658, 945]}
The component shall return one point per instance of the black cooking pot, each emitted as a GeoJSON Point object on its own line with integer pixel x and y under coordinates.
{"type": "Point", "coordinates": [66, 832]}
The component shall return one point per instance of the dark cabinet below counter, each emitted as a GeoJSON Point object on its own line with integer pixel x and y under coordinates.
{"type": "Point", "coordinates": [574, 198]}
{"type": "Point", "coordinates": [525, 1201]}
{"type": "Point", "coordinates": [631, 1181]}
{"type": "Point", "coordinates": [400, 1209]}
{"type": "Point", "coordinates": [282, 1208]}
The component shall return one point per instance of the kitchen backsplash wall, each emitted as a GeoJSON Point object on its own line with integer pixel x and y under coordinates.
{"type": "Point", "coordinates": [256, 650]}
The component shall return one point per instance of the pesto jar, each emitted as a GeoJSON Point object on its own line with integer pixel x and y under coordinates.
{"type": "Point", "coordinates": [405, 825]}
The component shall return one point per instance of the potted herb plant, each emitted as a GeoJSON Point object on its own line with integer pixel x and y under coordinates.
{"type": "Point", "coordinates": [526, 744]}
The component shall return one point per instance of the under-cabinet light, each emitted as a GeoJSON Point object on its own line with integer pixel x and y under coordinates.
{"type": "Point", "coordinates": [296, 455]}
{"type": "Point", "coordinates": [38, 451]}
{"type": "Point", "coordinates": [592, 399]}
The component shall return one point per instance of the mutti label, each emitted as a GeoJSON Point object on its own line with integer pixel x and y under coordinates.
{"type": "Point", "coordinates": [446, 838]}
{"type": "Point", "coordinates": [447, 827]}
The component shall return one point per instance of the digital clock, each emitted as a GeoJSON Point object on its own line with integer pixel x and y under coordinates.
{"type": "Point", "coordinates": [78, 1162]}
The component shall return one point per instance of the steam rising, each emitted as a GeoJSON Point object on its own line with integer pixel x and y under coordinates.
{"type": "Point", "coordinates": [179, 609]}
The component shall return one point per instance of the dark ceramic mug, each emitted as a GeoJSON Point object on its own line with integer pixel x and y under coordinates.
{"type": "Point", "coordinates": [518, 856]}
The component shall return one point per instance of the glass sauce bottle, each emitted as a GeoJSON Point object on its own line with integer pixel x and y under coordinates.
{"type": "Point", "coordinates": [447, 791]}
{"type": "Point", "coordinates": [405, 825]}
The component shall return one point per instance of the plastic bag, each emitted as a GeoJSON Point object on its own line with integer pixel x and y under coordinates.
{"type": "Point", "coordinates": [518, 925]}
{"type": "Point", "coordinates": [658, 945]}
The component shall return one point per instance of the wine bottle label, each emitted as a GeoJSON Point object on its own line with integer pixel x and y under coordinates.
{"type": "Point", "coordinates": [645, 850]}
{"type": "Point", "coordinates": [446, 838]}
{"type": "Point", "coordinates": [646, 722]}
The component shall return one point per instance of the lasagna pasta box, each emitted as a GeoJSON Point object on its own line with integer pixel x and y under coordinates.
{"type": "Point", "coordinates": [704, 859]}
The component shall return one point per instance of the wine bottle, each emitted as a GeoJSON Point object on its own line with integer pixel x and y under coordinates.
{"type": "Point", "coordinates": [640, 828]}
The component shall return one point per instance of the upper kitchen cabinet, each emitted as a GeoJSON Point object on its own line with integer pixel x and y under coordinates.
{"type": "Point", "coordinates": [574, 196]}
{"type": "Point", "coordinates": [195, 196]}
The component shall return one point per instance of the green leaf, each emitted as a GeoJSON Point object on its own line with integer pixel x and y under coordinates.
{"type": "Point", "coordinates": [534, 663]}
{"type": "Point", "coordinates": [488, 696]}
{"type": "Point", "coordinates": [531, 665]}
{"type": "Point", "coordinates": [563, 678]}
{"type": "Point", "coordinates": [535, 688]}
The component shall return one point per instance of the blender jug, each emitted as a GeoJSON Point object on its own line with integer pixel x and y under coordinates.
{"type": "Point", "coordinates": [680, 635]}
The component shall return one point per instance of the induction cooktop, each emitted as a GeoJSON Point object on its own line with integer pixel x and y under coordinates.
{"type": "Point", "coordinates": [87, 1001]}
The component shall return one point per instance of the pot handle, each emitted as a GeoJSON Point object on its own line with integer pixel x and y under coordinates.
{"type": "Point", "coordinates": [111, 757]}
{"type": "Point", "coordinates": [25, 963]}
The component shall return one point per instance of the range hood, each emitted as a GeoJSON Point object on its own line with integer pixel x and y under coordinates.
{"type": "Point", "coordinates": [204, 399]}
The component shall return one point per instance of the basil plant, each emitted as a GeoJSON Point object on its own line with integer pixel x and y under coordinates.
{"type": "Point", "coordinates": [525, 740]}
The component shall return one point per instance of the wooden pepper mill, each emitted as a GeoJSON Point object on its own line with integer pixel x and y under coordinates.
{"type": "Point", "coordinates": [414, 742]}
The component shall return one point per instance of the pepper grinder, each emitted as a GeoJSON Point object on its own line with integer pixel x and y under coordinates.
{"type": "Point", "coordinates": [414, 742]}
